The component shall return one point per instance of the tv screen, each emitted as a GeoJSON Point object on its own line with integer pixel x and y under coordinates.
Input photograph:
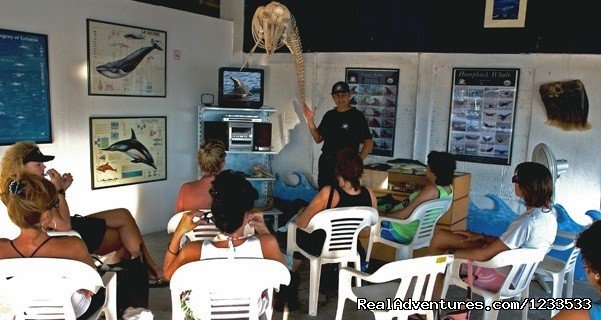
{"type": "Point", "coordinates": [240, 88]}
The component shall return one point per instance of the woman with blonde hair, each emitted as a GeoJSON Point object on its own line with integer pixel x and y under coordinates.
{"type": "Point", "coordinates": [195, 194]}
{"type": "Point", "coordinates": [102, 232]}
{"type": "Point", "coordinates": [32, 204]}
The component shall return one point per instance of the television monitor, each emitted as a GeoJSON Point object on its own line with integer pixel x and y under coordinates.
{"type": "Point", "coordinates": [240, 88]}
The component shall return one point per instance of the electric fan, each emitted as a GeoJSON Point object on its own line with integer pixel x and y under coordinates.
{"type": "Point", "coordinates": [543, 155]}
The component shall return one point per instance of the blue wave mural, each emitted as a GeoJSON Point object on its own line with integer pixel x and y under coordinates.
{"type": "Point", "coordinates": [495, 221]}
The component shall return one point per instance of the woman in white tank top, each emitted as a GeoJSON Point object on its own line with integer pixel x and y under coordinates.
{"type": "Point", "coordinates": [233, 199]}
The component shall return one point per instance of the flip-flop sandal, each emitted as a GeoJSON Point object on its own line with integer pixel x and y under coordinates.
{"type": "Point", "coordinates": [158, 283]}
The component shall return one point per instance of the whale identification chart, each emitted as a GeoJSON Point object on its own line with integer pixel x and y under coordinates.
{"type": "Point", "coordinates": [127, 150]}
{"type": "Point", "coordinates": [126, 60]}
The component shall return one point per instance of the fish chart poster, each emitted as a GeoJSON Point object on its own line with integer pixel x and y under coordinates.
{"type": "Point", "coordinates": [126, 60]}
{"type": "Point", "coordinates": [24, 88]}
{"type": "Point", "coordinates": [127, 150]}
{"type": "Point", "coordinates": [374, 92]}
{"type": "Point", "coordinates": [482, 117]}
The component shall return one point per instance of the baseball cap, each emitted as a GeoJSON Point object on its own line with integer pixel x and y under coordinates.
{"type": "Point", "coordinates": [339, 87]}
{"type": "Point", "coordinates": [37, 156]}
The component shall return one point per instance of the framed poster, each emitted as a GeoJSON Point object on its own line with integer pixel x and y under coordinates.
{"type": "Point", "coordinates": [505, 14]}
{"type": "Point", "coordinates": [482, 114]}
{"type": "Point", "coordinates": [127, 150]}
{"type": "Point", "coordinates": [24, 88]}
{"type": "Point", "coordinates": [126, 60]}
{"type": "Point", "coordinates": [374, 92]}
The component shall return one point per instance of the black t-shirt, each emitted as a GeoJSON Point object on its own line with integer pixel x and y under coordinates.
{"type": "Point", "coordinates": [343, 129]}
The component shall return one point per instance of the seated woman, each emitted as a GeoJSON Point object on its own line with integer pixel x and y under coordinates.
{"type": "Point", "coordinates": [588, 241]}
{"type": "Point", "coordinates": [232, 200]}
{"type": "Point", "coordinates": [103, 232]}
{"type": "Point", "coordinates": [195, 194]}
{"type": "Point", "coordinates": [535, 228]}
{"type": "Point", "coordinates": [439, 173]}
{"type": "Point", "coordinates": [32, 205]}
{"type": "Point", "coordinates": [348, 169]}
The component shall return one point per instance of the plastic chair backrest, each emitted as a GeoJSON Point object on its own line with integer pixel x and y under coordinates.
{"type": "Point", "coordinates": [41, 287]}
{"type": "Point", "coordinates": [227, 288]}
{"type": "Point", "coordinates": [523, 263]}
{"type": "Point", "coordinates": [200, 233]}
{"type": "Point", "coordinates": [342, 227]}
{"type": "Point", "coordinates": [428, 214]}
{"type": "Point", "coordinates": [415, 274]}
{"type": "Point", "coordinates": [573, 256]}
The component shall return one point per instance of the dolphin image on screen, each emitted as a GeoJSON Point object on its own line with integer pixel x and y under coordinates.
{"type": "Point", "coordinates": [123, 67]}
{"type": "Point", "coordinates": [239, 91]}
{"type": "Point", "coordinates": [133, 148]}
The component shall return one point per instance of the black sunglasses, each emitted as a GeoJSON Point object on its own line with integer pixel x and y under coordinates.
{"type": "Point", "coordinates": [515, 179]}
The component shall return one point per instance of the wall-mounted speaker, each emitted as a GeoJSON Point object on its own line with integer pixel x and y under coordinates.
{"type": "Point", "coordinates": [217, 130]}
{"type": "Point", "coordinates": [262, 136]}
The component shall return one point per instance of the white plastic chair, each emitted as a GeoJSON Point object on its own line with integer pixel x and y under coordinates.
{"type": "Point", "coordinates": [557, 269]}
{"type": "Point", "coordinates": [227, 288]}
{"type": "Point", "coordinates": [342, 227]}
{"type": "Point", "coordinates": [427, 214]}
{"type": "Point", "coordinates": [423, 270]}
{"type": "Point", "coordinates": [200, 233]}
{"type": "Point", "coordinates": [521, 264]}
{"type": "Point", "coordinates": [42, 287]}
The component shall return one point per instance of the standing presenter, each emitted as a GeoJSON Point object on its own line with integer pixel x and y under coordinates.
{"type": "Point", "coordinates": [342, 127]}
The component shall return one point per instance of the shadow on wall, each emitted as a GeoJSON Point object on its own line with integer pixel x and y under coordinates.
{"type": "Point", "coordinates": [495, 221]}
{"type": "Point", "coordinates": [296, 151]}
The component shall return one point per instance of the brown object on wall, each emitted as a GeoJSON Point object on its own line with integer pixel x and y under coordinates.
{"type": "Point", "coordinates": [566, 104]}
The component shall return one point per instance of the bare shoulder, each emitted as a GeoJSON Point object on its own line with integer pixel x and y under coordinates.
{"type": "Point", "coordinates": [429, 192]}
{"type": "Point", "coordinates": [572, 314]}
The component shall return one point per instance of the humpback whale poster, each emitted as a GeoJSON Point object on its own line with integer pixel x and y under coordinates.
{"type": "Point", "coordinates": [375, 92]}
{"type": "Point", "coordinates": [24, 88]}
{"type": "Point", "coordinates": [483, 104]}
{"type": "Point", "coordinates": [126, 60]}
{"type": "Point", "coordinates": [127, 150]}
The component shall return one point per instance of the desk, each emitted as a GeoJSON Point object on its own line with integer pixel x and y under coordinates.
{"type": "Point", "coordinates": [455, 218]}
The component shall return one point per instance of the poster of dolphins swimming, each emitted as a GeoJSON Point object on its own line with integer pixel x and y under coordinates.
{"type": "Point", "coordinates": [126, 60]}
{"type": "Point", "coordinates": [127, 150]}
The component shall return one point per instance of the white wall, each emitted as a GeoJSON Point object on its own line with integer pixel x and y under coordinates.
{"type": "Point", "coordinates": [422, 118]}
{"type": "Point", "coordinates": [205, 44]}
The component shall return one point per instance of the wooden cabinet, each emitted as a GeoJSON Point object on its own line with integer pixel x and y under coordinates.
{"type": "Point", "coordinates": [401, 185]}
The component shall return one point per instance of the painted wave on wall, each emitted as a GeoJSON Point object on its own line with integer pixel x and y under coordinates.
{"type": "Point", "coordinates": [494, 221]}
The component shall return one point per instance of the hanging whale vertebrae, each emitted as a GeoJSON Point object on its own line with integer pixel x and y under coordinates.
{"type": "Point", "coordinates": [273, 26]}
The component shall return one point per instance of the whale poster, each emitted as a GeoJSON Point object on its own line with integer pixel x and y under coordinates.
{"type": "Point", "coordinates": [127, 150]}
{"type": "Point", "coordinates": [483, 105]}
{"type": "Point", "coordinates": [374, 92]}
{"type": "Point", "coordinates": [126, 60]}
{"type": "Point", "coordinates": [24, 88]}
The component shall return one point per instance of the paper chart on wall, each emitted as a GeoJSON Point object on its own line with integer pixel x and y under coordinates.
{"type": "Point", "coordinates": [127, 150]}
{"type": "Point", "coordinates": [483, 104]}
{"type": "Point", "coordinates": [374, 92]}
{"type": "Point", "coordinates": [126, 60]}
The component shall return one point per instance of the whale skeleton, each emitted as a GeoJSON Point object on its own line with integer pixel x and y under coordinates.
{"type": "Point", "coordinates": [273, 26]}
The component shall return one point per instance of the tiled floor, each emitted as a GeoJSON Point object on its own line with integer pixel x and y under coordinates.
{"type": "Point", "coordinates": [160, 300]}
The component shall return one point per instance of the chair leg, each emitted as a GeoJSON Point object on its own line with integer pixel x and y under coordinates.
{"type": "Point", "coordinates": [358, 268]}
{"type": "Point", "coordinates": [525, 294]}
{"type": "Point", "coordinates": [370, 244]}
{"type": "Point", "coordinates": [570, 284]}
{"type": "Point", "coordinates": [492, 314]}
{"type": "Point", "coordinates": [340, 306]}
{"type": "Point", "coordinates": [314, 276]}
{"type": "Point", "coordinates": [557, 289]}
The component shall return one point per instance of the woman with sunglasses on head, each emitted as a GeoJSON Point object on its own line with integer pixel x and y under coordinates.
{"type": "Point", "coordinates": [534, 229]}
{"type": "Point", "coordinates": [32, 204]}
{"type": "Point", "coordinates": [588, 242]}
{"type": "Point", "coordinates": [102, 232]}
{"type": "Point", "coordinates": [232, 202]}
{"type": "Point", "coordinates": [195, 194]}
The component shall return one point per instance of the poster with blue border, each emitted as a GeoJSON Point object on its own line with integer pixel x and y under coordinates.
{"type": "Point", "coordinates": [24, 88]}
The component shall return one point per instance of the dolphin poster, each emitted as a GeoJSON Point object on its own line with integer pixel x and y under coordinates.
{"type": "Point", "coordinates": [135, 67]}
{"type": "Point", "coordinates": [127, 150]}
